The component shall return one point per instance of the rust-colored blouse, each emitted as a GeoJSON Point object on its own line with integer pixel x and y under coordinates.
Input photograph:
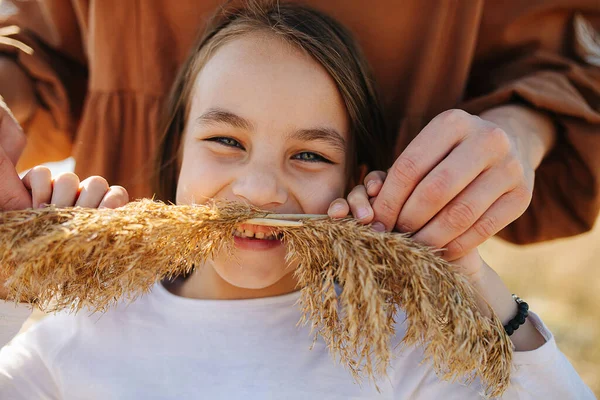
{"type": "Point", "coordinates": [102, 67]}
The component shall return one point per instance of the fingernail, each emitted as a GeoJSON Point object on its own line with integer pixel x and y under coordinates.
{"type": "Point", "coordinates": [43, 205]}
{"type": "Point", "coordinates": [362, 213]}
{"type": "Point", "coordinates": [336, 207]}
{"type": "Point", "coordinates": [369, 184]}
{"type": "Point", "coordinates": [378, 227]}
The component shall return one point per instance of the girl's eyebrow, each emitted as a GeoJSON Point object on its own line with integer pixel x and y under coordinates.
{"type": "Point", "coordinates": [221, 116]}
{"type": "Point", "coordinates": [327, 135]}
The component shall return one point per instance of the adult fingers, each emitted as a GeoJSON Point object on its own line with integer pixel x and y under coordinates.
{"type": "Point", "coordinates": [338, 208]}
{"type": "Point", "coordinates": [65, 189]}
{"type": "Point", "coordinates": [465, 209]}
{"type": "Point", "coordinates": [39, 181]}
{"type": "Point", "coordinates": [116, 196]}
{"type": "Point", "coordinates": [505, 210]}
{"type": "Point", "coordinates": [426, 150]}
{"type": "Point", "coordinates": [13, 194]}
{"type": "Point", "coordinates": [461, 167]}
{"type": "Point", "coordinates": [12, 138]}
{"type": "Point", "coordinates": [361, 209]}
{"type": "Point", "coordinates": [374, 181]}
{"type": "Point", "coordinates": [92, 191]}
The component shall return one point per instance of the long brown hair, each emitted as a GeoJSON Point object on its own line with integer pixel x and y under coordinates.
{"type": "Point", "coordinates": [320, 36]}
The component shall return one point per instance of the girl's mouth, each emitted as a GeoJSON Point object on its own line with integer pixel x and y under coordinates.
{"type": "Point", "coordinates": [256, 237]}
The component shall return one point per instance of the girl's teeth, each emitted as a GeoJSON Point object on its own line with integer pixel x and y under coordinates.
{"type": "Point", "coordinates": [246, 233]}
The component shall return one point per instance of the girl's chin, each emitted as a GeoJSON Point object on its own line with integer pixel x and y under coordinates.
{"type": "Point", "coordinates": [251, 277]}
{"type": "Point", "coordinates": [253, 272]}
{"type": "Point", "coordinates": [255, 264]}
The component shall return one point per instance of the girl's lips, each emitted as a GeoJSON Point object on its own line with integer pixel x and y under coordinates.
{"type": "Point", "coordinates": [251, 244]}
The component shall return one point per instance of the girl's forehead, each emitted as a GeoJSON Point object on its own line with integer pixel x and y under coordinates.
{"type": "Point", "coordinates": [271, 82]}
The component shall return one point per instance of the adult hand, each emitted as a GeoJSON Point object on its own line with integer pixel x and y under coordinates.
{"type": "Point", "coordinates": [459, 182]}
{"type": "Point", "coordinates": [13, 194]}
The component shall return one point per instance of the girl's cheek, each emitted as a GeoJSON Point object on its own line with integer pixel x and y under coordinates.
{"type": "Point", "coordinates": [199, 180]}
{"type": "Point", "coordinates": [316, 194]}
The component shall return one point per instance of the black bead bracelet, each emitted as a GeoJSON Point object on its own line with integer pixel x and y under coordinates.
{"type": "Point", "coordinates": [520, 318]}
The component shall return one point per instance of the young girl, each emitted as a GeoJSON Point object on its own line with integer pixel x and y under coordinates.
{"type": "Point", "coordinates": [274, 108]}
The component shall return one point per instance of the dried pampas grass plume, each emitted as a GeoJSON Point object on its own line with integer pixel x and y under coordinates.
{"type": "Point", "coordinates": [75, 257]}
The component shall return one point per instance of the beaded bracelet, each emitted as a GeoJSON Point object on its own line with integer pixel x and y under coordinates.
{"type": "Point", "coordinates": [520, 318]}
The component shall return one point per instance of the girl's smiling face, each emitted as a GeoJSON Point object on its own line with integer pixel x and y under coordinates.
{"type": "Point", "coordinates": [266, 126]}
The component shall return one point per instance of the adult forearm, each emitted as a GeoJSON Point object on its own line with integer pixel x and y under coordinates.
{"type": "Point", "coordinates": [17, 90]}
{"type": "Point", "coordinates": [535, 131]}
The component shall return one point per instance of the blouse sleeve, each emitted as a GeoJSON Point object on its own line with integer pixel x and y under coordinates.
{"type": "Point", "coordinates": [25, 367]}
{"type": "Point", "coordinates": [45, 41]}
{"type": "Point", "coordinates": [555, 68]}
{"type": "Point", "coordinates": [12, 317]}
{"type": "Point", "coordinates": [545, 373]}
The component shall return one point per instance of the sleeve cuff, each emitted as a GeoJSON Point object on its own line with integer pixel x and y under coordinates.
{"type": "Point", "coordinates": [542, 354]}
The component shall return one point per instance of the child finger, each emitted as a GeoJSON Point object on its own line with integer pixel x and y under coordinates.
{"type": "Point", "coordinates": [359, 204]}
{"type": "Point", "coordinates": [374, 182]}
{"type": "Point", "coordinates": [39, 182]}
{"type": "Point", "coordinates": [116, 197]}
{"type": "Point", "coordinates": [92, 191]}
{"type": "Point", "coordinates": [65, 188]}
{"type": "Point", "coordinates": [338, 208]}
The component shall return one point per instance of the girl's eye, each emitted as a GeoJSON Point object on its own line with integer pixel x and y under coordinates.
{"type": "Point", "coordinates": [311, 157]}
{"type": "Point", "coordinates": [226, 141]}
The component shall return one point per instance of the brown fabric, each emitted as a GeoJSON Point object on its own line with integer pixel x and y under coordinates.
{"type": "Point", "coordinates": [427, 55]}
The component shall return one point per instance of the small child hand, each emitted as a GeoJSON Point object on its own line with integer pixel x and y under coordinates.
{"type": "Point", "coordinates": [66, 190]}
{"type": "Point", "coordinates": [359, 200]}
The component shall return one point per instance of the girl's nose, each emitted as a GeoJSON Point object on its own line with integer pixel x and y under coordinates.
{"type": "Point", "coordinates": [260, 187]}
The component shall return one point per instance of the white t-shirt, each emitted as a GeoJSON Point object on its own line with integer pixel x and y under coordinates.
{"type": "Point", "coordinates": [163, 346]}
